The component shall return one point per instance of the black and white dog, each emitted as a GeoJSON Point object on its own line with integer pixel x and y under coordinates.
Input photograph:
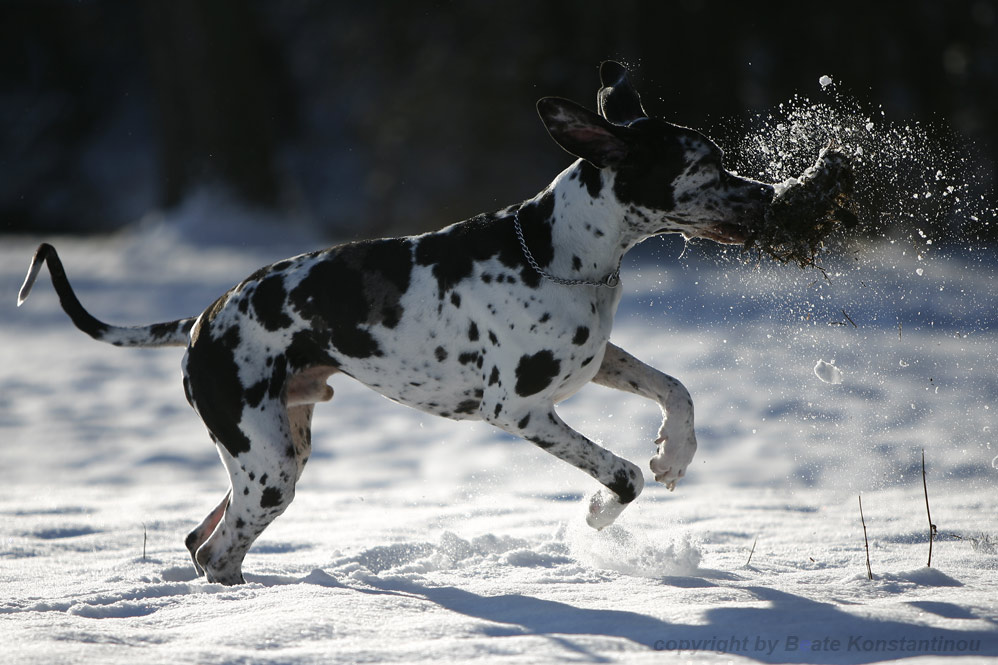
{"type": "Point", "coordinates": [496, 318]}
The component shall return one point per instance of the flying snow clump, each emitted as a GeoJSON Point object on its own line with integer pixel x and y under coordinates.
{"type": "Point", "coordinates": [827, 372]}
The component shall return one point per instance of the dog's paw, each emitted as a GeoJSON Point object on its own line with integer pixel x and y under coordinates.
{"type": "Point", "coordinates": [604, 508]}
{"type": "Point", "coordinates": [669, 465]}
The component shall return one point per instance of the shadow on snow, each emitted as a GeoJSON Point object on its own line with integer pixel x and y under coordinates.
{"type": "Point", "coordinates": [791, 629]}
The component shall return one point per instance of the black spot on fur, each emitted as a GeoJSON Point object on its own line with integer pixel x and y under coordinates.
{"type": "Point", "coordinates": [391, 315]}
{"type": "Point", "coordinates": [576, 263]}
{"type": "Point", "coordinates": [592, 178]}
{"type": "Point", "coordinates": [468, 357]}
{"type": "Point", "coordinates": [535, 372]}
{"type": "Point", "coordinates": [581, 335]}
{"type": "Point", "coordinates": [353, 286]}
{"type": "Point", "coordinates": [542, 443]}
{"type": "Point", "coordinates": [441, 353]}
{"type": "Point", "coordinates": [494, 377]}
{"type": "Point", "coordinates": [524, 421]}
{"type": "Point", "coordinates": [214, 384]}
{"type": "Point", "coordinates": [269, 302]}
{"type": "Point", "coordinates": [452, 253]}
{"type": "Point", "coordinates": [271, 498]}
{"type": "Point", "coordinates": [468, 406]}
{"type": "Point", "coordinates": [623, 487]}
{"type": "Point", "coordinates": [455, 300]}
{"type": "Point", "coordinates": [473, 332]}
{"type": "Point", "coordinates": [160, 330]}
{"type": "Point", "coordinates": [493, 338]}
{"type": "Point", "coordinates": [645, 178]}
{"type": "Point", "coordinates": [255, 393]}
{"type": "Point", "coordinates": [309, 348]}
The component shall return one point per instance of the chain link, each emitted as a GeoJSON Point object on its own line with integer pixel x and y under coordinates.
{"type": "Point", "coordinates": [610, 281]}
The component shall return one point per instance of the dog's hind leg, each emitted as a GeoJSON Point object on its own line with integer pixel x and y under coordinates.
{"type": "Point", "coordinates": [677, 442]}
{"type": "Point", "coordinates": [262, 481]}
{"type": "Point", "coordinates": [539, 424]}
{"type": "Point", "coordinates": [300, 421]}
{"type": "Point", "coordinates": [195, 539]}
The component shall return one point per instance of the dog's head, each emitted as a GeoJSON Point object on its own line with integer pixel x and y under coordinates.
{"type": "Point", "coordinates": [669, 179]}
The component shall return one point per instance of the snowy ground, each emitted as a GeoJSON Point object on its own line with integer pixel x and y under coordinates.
{"type": "Point", "coordinates": [415, 539]}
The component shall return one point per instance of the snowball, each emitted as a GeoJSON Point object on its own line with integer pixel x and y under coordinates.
{"type": "Point", "coordinates": [780, 187]}
{"type": "Point", "coordinates": [825, 81]}
{"type": "Point", "coordinates": [827, 372]}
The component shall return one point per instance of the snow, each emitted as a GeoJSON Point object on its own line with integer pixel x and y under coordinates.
{"type": "Point", "coordinates": [825, 81]}
{"type": "Point", "coordinates": [415, 539]}
{"type": "Point", "coordinates": [828, 372]}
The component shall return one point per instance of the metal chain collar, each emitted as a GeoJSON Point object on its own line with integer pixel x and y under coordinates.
{"type": "Point", "coordinates": [610, 281]}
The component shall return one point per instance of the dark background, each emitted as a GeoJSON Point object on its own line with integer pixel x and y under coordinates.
{"type": "Point", "coordinates": [372, 118]}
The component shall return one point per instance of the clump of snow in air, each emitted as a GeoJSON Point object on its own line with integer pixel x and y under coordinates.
{"type": "Point", "coordinates": [828, 372]}
{"type": "Point", "coordinates": [475, 543]}
{"type": "Point", "coordinates": [909, 176]}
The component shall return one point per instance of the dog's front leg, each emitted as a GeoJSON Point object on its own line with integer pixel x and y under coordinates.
{"type": "Point", "coordinates": [677, 443]}
{"type": "Point", "coordinates": [539, 424]}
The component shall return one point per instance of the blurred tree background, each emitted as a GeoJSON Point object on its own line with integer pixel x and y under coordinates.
{"type": "Point", "coordinates": [373, 118]}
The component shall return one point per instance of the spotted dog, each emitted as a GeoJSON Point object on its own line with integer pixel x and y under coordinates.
{"type": "Point", "coordinates": [496, 318]}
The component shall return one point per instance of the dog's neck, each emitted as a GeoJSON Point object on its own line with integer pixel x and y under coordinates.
{"type": "Point", "coordinates": [588, 229]}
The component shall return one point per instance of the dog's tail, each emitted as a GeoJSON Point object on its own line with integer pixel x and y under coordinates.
{"type": "Point", "coordinates": [170, 333]}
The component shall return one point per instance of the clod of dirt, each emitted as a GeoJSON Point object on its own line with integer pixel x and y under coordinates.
{"type": "Point", "coordinates": [806, 210]}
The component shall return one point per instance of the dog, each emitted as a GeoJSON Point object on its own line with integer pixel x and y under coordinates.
{"type": "Point", "coordinates": [496, 318]}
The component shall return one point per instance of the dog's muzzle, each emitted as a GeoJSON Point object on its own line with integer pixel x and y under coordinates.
{"type": "Point", "coordinates": [748, 214]}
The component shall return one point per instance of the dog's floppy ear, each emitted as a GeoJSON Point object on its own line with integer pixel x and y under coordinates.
{"type": "Point", "coordinates": [618, 100]}
{"type": "Point", "coordinates": [582, 133]}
